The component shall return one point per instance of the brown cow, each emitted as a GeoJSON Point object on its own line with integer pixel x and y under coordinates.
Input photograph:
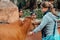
{"type": "Point", "coordinates": [15, 31]}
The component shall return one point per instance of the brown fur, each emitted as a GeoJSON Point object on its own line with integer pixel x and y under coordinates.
{"type": "Point", "coordinates": [15, 31]}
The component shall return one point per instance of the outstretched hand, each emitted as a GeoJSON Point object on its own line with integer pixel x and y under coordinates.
{"type": "Point", "coordinates": [30, 33]}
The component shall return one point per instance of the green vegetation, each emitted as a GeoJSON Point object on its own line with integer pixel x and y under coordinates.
{"type": "Point", "coordinates": [37, 11]}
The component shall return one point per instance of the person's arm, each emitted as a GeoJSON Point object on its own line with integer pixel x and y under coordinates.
{"type": "Point", "coordinates": [42, 25]}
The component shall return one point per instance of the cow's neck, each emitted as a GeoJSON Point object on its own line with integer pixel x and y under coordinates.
{"type": "Point", "coordinates": [26, 26]}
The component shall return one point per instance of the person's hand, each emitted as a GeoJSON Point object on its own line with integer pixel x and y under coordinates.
{"type": "Point", "coordinates": [30, 33]}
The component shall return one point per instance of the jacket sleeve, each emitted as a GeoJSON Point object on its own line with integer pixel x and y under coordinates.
{"type": "Point", "coordinates": [42, 25]}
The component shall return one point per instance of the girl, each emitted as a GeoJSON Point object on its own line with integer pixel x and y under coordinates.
{"type": "Point", "coordinates": [35, 21]}
{"type": "Point", "coordinates": [48, 24]}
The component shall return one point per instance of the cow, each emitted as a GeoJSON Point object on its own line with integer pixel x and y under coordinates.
{"type": "Point", "coordinates": [16, 30]}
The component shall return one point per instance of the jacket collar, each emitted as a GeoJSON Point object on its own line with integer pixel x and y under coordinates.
{"type": "Point", "coordinates": [52, 16]}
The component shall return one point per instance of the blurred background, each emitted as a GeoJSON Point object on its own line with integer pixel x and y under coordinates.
{"type": "Point", "coordinates": [29, 6]}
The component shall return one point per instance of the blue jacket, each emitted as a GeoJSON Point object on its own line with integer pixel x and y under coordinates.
{"type": "Point", "coordinates": [47, 25]}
